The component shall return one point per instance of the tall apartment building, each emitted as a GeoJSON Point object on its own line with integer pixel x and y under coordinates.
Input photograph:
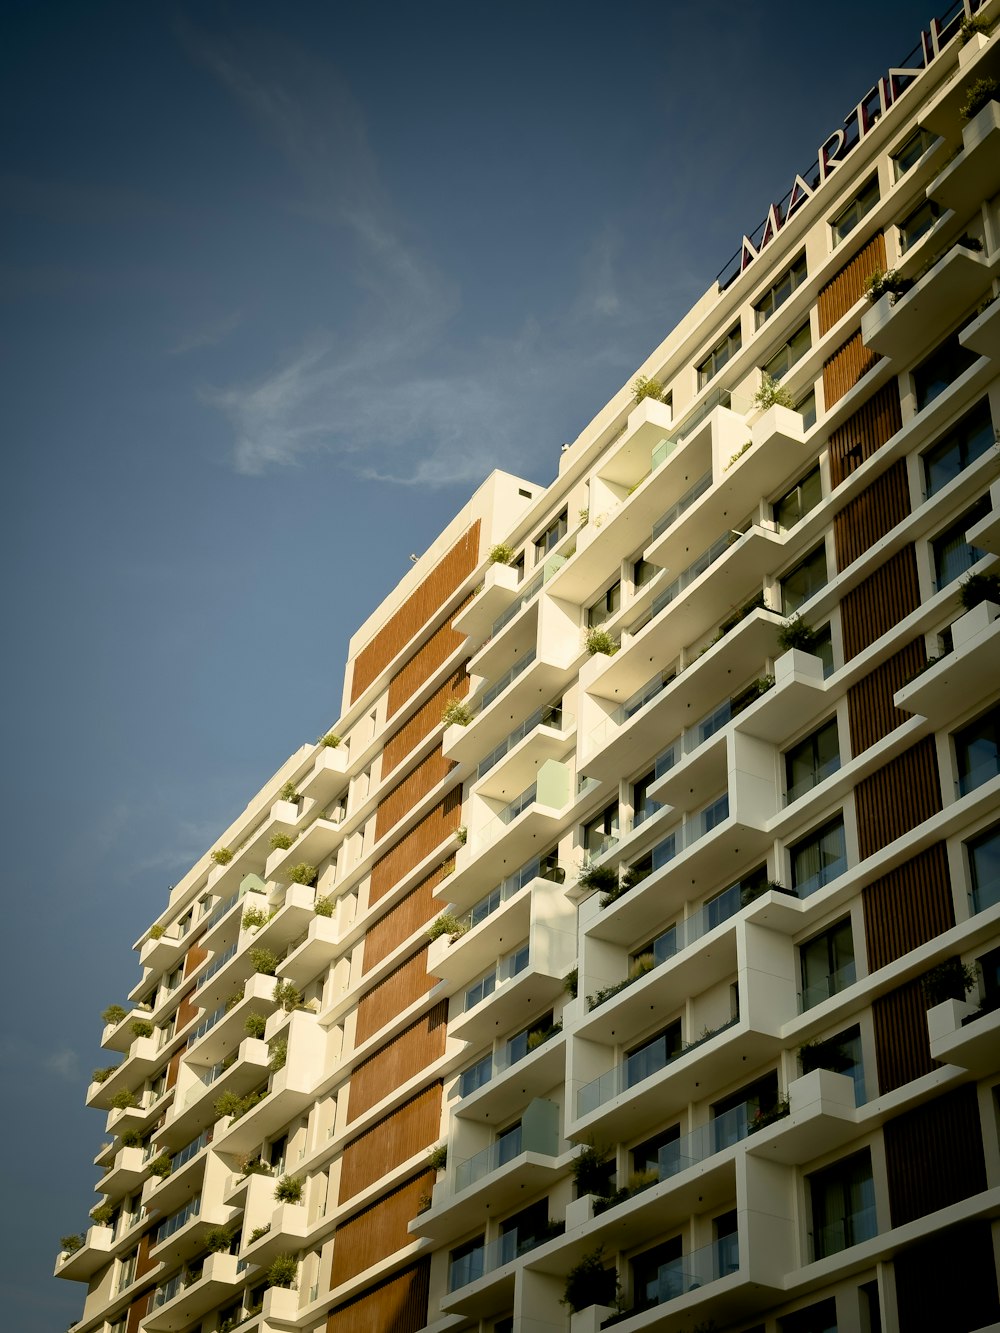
{"type": "Point", "coordinates": [711, 1008]}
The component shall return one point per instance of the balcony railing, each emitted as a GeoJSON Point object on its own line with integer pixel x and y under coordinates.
{"type": "Point", "coordinates": [504, 1250]}
{"type": "Point", "coordinates": [550, 716]}
{"type": "Point", "coordinates": [190, 1150]}
{"type": "Point", "coordinates": [489, 1160]}
{"type": "Point", "coordinates": [492, 1066]}
{"type": "Point", "coordinates": [688, 1272]}
{"type": "Point", "coordinates": [537, 868]}
{"type": "Point", "coordinates": [684, 503]}
{"type": "Point", "coordinates": [685, 578]}
{"type": "Point", "coordinates": [819, 774]}
{"type": "Point", "coordinates": [508, 678]}
{"type": "Point", "coordinates": [172, 1224]}
{"type": "Point", "coordinates": [851, 1230]}
{"type": "Point", "coordinates": [829, 986]}
{"type": "Point", "coordinates": [650, 1059]}
{"type": "Point", "coordinates": [217, 965]}
{"type": "Point", "coordinates": [504, 970]}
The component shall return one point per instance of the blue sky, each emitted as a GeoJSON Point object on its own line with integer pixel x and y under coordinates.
{"type": "Point", "coordinates": [279, 285]}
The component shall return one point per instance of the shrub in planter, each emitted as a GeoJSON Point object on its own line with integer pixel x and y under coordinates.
{"type": "Point", "coordinates": [102, 1075]}
{"type": "Point", "coordinates": [121, 1101]}
{"type": "Point", "coordinates": [456, 713]}
{"type": "Point", "coordinates": [157, 932]}
{"type": "Point", "coordinates": [113, 1014]}
{"type": "Point", "coordinates": [590, 1283]}
{"type": "Point", "coordinates": [218, 1239]}
{"type": "Point", "coordinates": [131, 1138]}
{"type": "Point", "coordinates": [278, 1054]}
{"type": "Point", "coordinates": [258, 1232]}
{"type": "Point", "coordinates": [571, 982]}
{"type": "Point", "coordinates": [590, 1170]}
{"type": "Point", "coordinates": [280, 842]}
{"type": "Point", "coordinates": [795, 633]}
{"type": "Point", "coordinates": [771, 394]}
{"type": "Point", "coordinates": [254, 1025]}
{"type": "Point", "coordinates": [251, 1165]}
{"type": "Point", "coordinates": [600, 641]}
{"type": "Point", "coordinates": [303, 873]}
{"type": "Point", "coordinates": [234, 999]}
{"type": "Point", "coordinates": [141, 1028]}
{"type": "Point", "coordinates": [103, 1213]}
{"type": "Point", "coordinates": [978, 93]}
{"type": "Point", "coordinates": [70, 1244]}
{"type": "Point", "coordinates": [462, 834]}
{"type": "Point", "coordinates": [888, 280]}
{"type": "Point", "coordinates": [644, 387]}
{"type": "Point", "coordinates": [970, 26]}
{"type": "Point", "coordinates": [979, 588]}
{"type": "Point", "coordinates": [447, 924]}
{"type": "Point", "coordinates": [950, 980]}
{"type": "Point", "coordinates": [502, 554]}
{"type": "Point", "coordinates": [289, 792]}
{"type": "Point", "coordinates": [288, 995]}
{"type": "Point", "coordinates": [324, 906]}
{"type": "Point", "coordinates": [602, 877]}
{"type": "Point", "coordinates": [222, 856]}
{"type": "Point", "coordinates": [331, 740]}
{"type": "Point", "coordinates": [255, 917]}
{"type": "Point", "coordinates": [539, 1036]}
{"type": "Point", "coordinates": [283, 1271]}
{"type": "Point", "coordinates": [161, 1166]}
{"type": "Point", "coordinates": [437, 1158]}
{"type": "Point", "coordinates": [289, 1189]}
{"type": "Point", "coordinates": [263, 961]}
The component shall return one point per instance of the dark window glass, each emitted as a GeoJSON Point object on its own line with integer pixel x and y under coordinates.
{"type": "Point", "coordinates": [846, 220]}
{"type": "Point", "coordinates": [804, 581]}
{"type": "Point", "coordinates": [819, 1318]}
{"type": "Point", "coordinates": [911, 152]}
{"type": "Point", "coordinates": [820, 858]}
{"type": "Point", "coordinates": [652, 1055]}
{"type": "Point", "coordinates": [660, 1154]}
{"type": "Point", "coordinates": [719, 355]}
{"type": "Point", "coordinates": [552, 535]}
{"type": "Point", "coordinates": [812, 760]}
{"type": "Point", "coordinates": [970, 439]}
{"type": "Point", "coordinates": [918, 224]}
{"type": "Point", "coordinates": [776, 297]}
{"type": "Point", "coordinates": [786, 357]}
{"type": "Point", "coordinates": [940, 370]}
{"type": "Point", "coordinates": [803, 497]}
{"type": "Point", "coordinates": [977, 748]}
{"type": "Point", "coordinates": [605, 606]}
{"type": "Point", "coordinates": [841, 1054]}
{"type": "Point", "coordinates": [984, 868]}
{"type": "Point", "coordinates": [657, 1275]}
{"type": "Point", "coordinates": [953, 556]}
{"type": "Point", "coordinates": [843, 1205]}
{"type": "Point", "coordinates": [827, 963]}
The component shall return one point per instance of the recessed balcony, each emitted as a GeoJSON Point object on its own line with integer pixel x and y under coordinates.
{"type": "Point", "coordinates": [494, 597]}
{"type": "Point", "coordinates": [960, 1034]}
{"type": "Point", "coordinates": [904, 327]}
{"type": "Point", "coordinates": [964, 678]}
{"type": "Point", "coordinates": [530, 820]}
{"type": "Point", "coordinates": [510, 766]}
{"type": "Point", "coordinates": [500, 705]}
{"type": "Point", "coordinates": [974, 174]}
{"type": "Point", "coordinates": [195, 1107]}
{"type": "Point", "coordinates": [986, 533]}
{"type": "Point", "coordinates": [162, 953]}
{"type": "Point", "coordinates": [512, 1081]}
{"type": "Point", "coordinates": [313, 954]}
{"type": "Point", "coordinates": [186, 1297]}
{"type": "Point", "coordinates": [504, 998]}
{"type": "Point", "coordinates": [513, 632]}
{"type": "Point", "coordinates": [94, 1253]}
{"type": "Point", "coordinates": [288, 1231]}
{"type": "Point", "coordinates": [822, 1117]}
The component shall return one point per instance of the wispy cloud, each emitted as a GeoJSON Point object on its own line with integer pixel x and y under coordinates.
{"type": "Point", "coordinates": [63, 1063]}
{"type": "Point", "coordinates": [210, 334]}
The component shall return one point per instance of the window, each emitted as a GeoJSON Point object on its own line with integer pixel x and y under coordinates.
{"type": "Point", "coordinates": [911, 152]}
{"type": "Point", "coordinates": [643, 804]}
{"type": "Point", "coordinates": [480, 991]}
{"type": "Point", "coordinates": [518, 1046]}
{"type": "Point", "coordinates": [970, 439]}
{"type": "Point", "coordinates": [840, 1054]}
{"type": "Point", "coordinates": [605, 606]}
{"type": "Point", "coordinates": [508, 1144]}
{"type": "Point", "coordinates": [820, 858]}
{"type": "Point", "coordinates": [719, 355]}
{"type": "Point", "coordinates": [818, 1318]}
{"type": "Point", "coordinates": [848, 218]}
{"type": "Point", "coordinates": [953, 556]}
{"type": "Point", "coordinates": [733, 1115]}
{"type": "Point", "coordinates": [126, 1274]}
{"type": "Point", "coordinates": [276, 1154]}
{"type": "Point", "coordinates": [792, 351]}
{"type": "Point", "coordinates": [552, 536]}
{"type": "Point", "coordinates": [977, 749]}
{"type": "Point", "coordinates": [823, 649]}
{"type": "Point", "coordinates": [476, 1077]}
{"type": "Point", "coordinates": [984, 869]}
{"type": "Point", "coordinates": [523, 1231]}
{"type": "Point", "coordinates": [657, 1275]}
{"type": "Point", "coordinates": [918, 224]}
{"type": "Point", "coordinates": [723, 905]}
{"type": "Point", "coordinates": [827, 964]}
{"type": "Point", "coordinates": [940, 370]}
{"type": "Point", "coordinates": [843, 1205]}
{"type": "Point", "coordinates": [804, 581]}
{"type": "Point", "coordinates": [466, 1263]}
{"type": "Point", "coordinates": [803, 497]}
{"type": "Point", "coordinates": [660, 1154]}
{"type": "Point", "coordinates": [602, 832]}
{"type": "Point", "coordinates": [726, 1236]}
{"type": "Point", "coordinates": [776, 296]}
{"type": "Point", "coordinates": [652, 1055]}
{"type": "Point", "coordinates": [643, 572]}
{"type": "Point", "coordinates": [812, 760]}
{"type": "Point", "coordinates": [806, 408]}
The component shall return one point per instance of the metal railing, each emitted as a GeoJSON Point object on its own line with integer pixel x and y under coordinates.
{"type": "Point", "coordinates": [550, 716]}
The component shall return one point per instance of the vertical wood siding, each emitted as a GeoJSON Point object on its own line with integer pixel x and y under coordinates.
{"type": "Point", "coordinates": [400, 1059]}
{"type": "Point", "coordinates": [416, 611]}
{"type": "Point", "coordinates": [421, 840]}
{"type": "Point", "coordinates": [143, 1263]}
{"type": "Point", "coordinates": [870, 710]}
{"type": "Point", "coordinates": [195, 956]}
{"type": "Point", "coordinates": [423, 721]}
{"type": "Point", "coordinates": [875, 512]}
{"type": "Point", "coordinates": [908, 907]}
{"type": "Point", "coordinates": [864, 433]}
{"type": "Point", "coordinates": [963, 1254]}
{"type": "Point", "coordinates": [396, 1306]}
{"type": "Point", "coordinates": [902, 1047]}
{"type": "Point", "coordinates": [186, 1011]}
{"type": "Point", "coordinates": [845, 368]}
{"type": "Point", "coordinates": [898, 797]}
{"type": "Point", "coordinates": [848, 287]}
{"type": "Point", "coordinates": [431, 770]}
{"type": "Point", "coordinates": [378, 1231]}
{"type": "Point", "coordinates": [137, 1312]}
{"type": "Point", "coordinates": [401, 988]}
{"type": "Point", "coordinates": [174, 1066]}
{"type": "Point", "coordinates": [409, 914]}
{"type": "Point", "coordinates": [934, 1155]}
{"type": "Point", "coordinates": [424, 662]}
{"type": "Point", "coordinates": [883, 600]}
{"type": "Point", "coordinates": [414, 1126]}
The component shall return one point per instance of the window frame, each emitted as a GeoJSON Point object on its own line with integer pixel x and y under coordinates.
{"type": "Point", "coordinates": [849, 218]}
{"type": "Point", "coordinates": [793, 277]}
{"type": "Point", "coordinates": [720, 356]}
{"type": "Point", "coordinates": [828, 949]}
{"type": "Point", "coordinates": [791, 352]}
{"type": "Point", "coordinates": [823, 876]}
{"type": "Point", "coordinates": [804, 565]}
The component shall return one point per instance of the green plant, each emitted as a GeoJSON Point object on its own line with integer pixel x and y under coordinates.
{"type": "Point", "coordinates": [970, 26]}
{"type": "Point", "coordinates": [131, 1138]}
{"type": "Point", "coordinates": [70, 1244]}
{"type": "Point", "coordinates": [289, 792]}
{"type": "Point", "coordinates": [254, 1024]}
{"type": "Point", "coordinates": [217, 1240]}
{"type": "Point", "coordinates": [282, 1271]}
{"type": "Point", "coordinates": [252, 1165]}
{"type": "Point", "coordinates": [102, 1075]}
{"type": "Point", "coordinates": [424, 1201]}
{"type": "Point", "coordinates": [161, 1166]}
{"type": "Point", "coordinates": [739, 454]}
{"type": "Point", "coordinates": [289, 1189]}
{"type": "Point", "coordinates": [978, 93]}
{"type": "Point", "coordinates": [277, 1054]}
{"type": "Point", "coordinates": [288, 995]}
{"type": "Point", "coordinates": [750, 694]}
{"type": "Point", "coordinates": [644, 387]}
{"type": "Point", "coordinates": [600, 641]}
{"type": "Point", "coordinates": [258, 1232]}
{"type": "Point", "coordinates": [950, 980]}
{"type": "Point", "coordinates": [280, 842]}
{"type": "Point", "coordinates": [571, 982]}
{"type": "Point", "coordinates": [771, 393]}
{"type": "Point", "coordinates": [113, 1014]}
{"type": "Point", "coordinates": [103, 1213]}
{"type": "Point", "coordinates": [590, 1169]}
{"type": "Point", "coordinates": [795, 633]}
{"type": "Point", "coordinates": [231, 1105]}
{"type": "Point", "coordinates": [263, 960]}
{"type": "Point", "coordinates": [539, 1036]}
{"type": "Point", "coordinates": [234, 999]}
{"type": "Point", "coordinates": [222, 856]}
{"type": "Point", "coordinates": [157, 932]}
{"type": "Point", "coordinates": [324, 906]}
{"type": "Point", "coordinates": [600, 877]}
{"type": "Point", "coordinates": [121, 1101]}
{"type": "Point", "coordinates": [978, 588]}
{"type": "Point", "coordinates": [447, 924]}
{"type": "Point", "coordinates": [882, 281]}
{"type": "Point", "coordinates": [584, 517]}
{"type": "Point", "coordinates": [437, 1158]}
{"type": "Point", "coordinates": [456, 713]}
{"type": "Point", "coordinates": [590, 1283]}
{"type": "Point", "coordinates": [331, 740]}
{"type": "Point", "coordinates": [303, 873]}
{"type": "Point", "coordinates": [141, 1027]}
{"type": "Point", "coordinates": [462, 834]}
{"type": "Point", "coordinates": [767, 1116]}
{"type": "Point", "coordinates": [502, 554]}
{"type": "Point", "coordinates": [255, 917]}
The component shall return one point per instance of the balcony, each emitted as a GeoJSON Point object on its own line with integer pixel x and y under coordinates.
{"type": "Point", "coordinates": [161, 954]}
{"type": "Point", "coordinates": [509, 1080]}
{"type": "Point", "coordinates": [799, 697]}
{"type": "Point", "coordinates": [287, 1234]}
{"type": "Point", "coordinates": [144, 1054]}
{"type": "Point", "coordinates": [119, 1036]}
{"type": "Point", "coordinates": [496, 595]}
{"type": "Point", "coordinates": [500, 705]}
{"type": "Point", "coordinates": [822, 1118]}
{"type": "Point", "coordinates": [904, 327]}
{"type": "Point", "coordinates": [982, 336]}
{"type": "Point", "coordinates": [94, 1253]}
{"type": "Point", "coordinates": [974, 174]}
{"type": "Point", "coordinates": [517, 984]}
{"type": "Point", "coordinates": [480, 1264]}
{"type": "Point", "coordinates": [965, 678]}
{"type": "Point", "coordinates": [195, 1107]}
{"type": "Point", "coordinates": [986, 533]}
{"type": "Point", "coordinates": [221, 1031]}
{"type": "Point", "coordinates": [513, 632]}
{"type": "Point", "coordinates": [512, 832]}
{"type": "Point", "coordinates": [512, 764]}
{"type": "Point", "coordinates": [312, 954]}
{"type": "Point", "coordinates": [962, 1035]}
{"type": "Point", "coordinates": [126, 1171]}
{"type": "Point", "coordinates": [186, 1297]}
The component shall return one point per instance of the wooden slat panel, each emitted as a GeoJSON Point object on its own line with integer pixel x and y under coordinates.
{"type": "Point", "coordinates": [174, 1066]}
{"type": "Point", "coordinates": [934, 1155]}
{"type": "Point", "coordinates": [902, 1047]}
{"type": "Point", "coordinates": [409, 914]}
{"type": "Point", "coordinates": [848, 287]}
{"type": "Point", "coordinates": [415, 1125]}
{"type": "Point", "coordinates": [845, 368]}
{"type": "Point", "coordinates": [401, 988]}
{"type": "Point", "coordinates": [424, 662]}
{"type": "Point", "coordinates": [424, 720]}
{"type": "Point", "coordinates": [186, 1010]}
{"type": "Point", "coordinates": [378, 1231]}
{"type": "Point", "coordinates": [143, 1263]}
{"type": "Point", "coordinates": [870, 711]}
{"type": "Point", "coordinates": [865, 432]}
{"type": "Point", "coordinates": [195, 956]}
{"type": "Point", "coordinates": [875, 512]}
{"type": "Point", "coordinates": [421, 840]}
{"type": "Point", "coordinates": [400, 801]}
{"type": "Point", "coordinates": [137, 1312]}
{"type": "Point", "coordinates": [883, 600]}
{"type": "Point", "coordinates": [965, 1253]}
{"type": "Point", "coordinates": [908, 907]}
{"type": "Point", "coordinates": [898, 797]}
{"type": "Point", "coordinates": [400, 1059]}
{"type": "Point", "coordinates": [416, 611]}
{"type": "Point", "coordinates": [396, 1306]}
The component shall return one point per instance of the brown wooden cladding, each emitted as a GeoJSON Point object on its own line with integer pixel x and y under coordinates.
{"type": "Point", "coordinates": [848, 287]}
{"type": "Point", "coordinates": [965, 1254]}
{"type": "Point", "coordinates": [413, 1049]}
{"type": "Point", "coordinates": [897, 798]}
{"type": "Point", "coordinates": [398, 1305]}
{"type": "Point", "coordinates": [174, 1066]}
{"type": "Point", "coordinates": [431, 770]}
{"type": "Point", "coordinates": [908, 907]}
{"type": "Point", "coordinates": [845, 368]}
{"type": "Point", "coordinates": [409, 914]}
{"type": "Point", "coordinates": [137, 1312]}
{"type": "Point", "coordinates": [870, 711]}
{"type": "Point", "coordinates": [424, 720]}
{"type": "Point", "coordinates": [424, 662]}
{"type": "Point", "coordinates": [902, 1047]}
{"type": "Point", "coordinates": [378, 1231]}
{"type": "Point", "coordinates": [416, 611]}
{"type": "Point", "coordinates": [401, 988]}
{"type": "Point", "coordinates": [408, 1130]}
{"type": "Point", "coordinates": [186, 1010]}
{"type": "Point", "coordinates": [881, 601]}
{"type": "Point", "coordinates": [143, 1263]}
{"type": "Point", "coordinates": [865, 432]}
{"type": "Point", "coordinates": [934, 1155]}
{"type": "Point", "coordinates": [875, 512]}
{"type": "Point", "coordinates": [411, 849]}
{"type": "Point", "coordinates": [195, 956]}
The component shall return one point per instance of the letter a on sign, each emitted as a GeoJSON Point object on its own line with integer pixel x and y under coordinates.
{"type": "Point", "coordinates": [747, 254]}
